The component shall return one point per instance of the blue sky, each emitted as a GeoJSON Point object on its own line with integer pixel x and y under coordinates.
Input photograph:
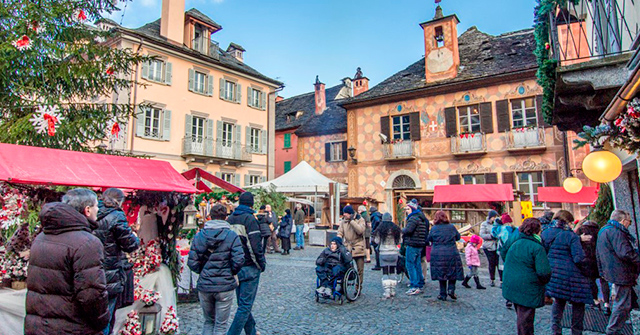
{"type": "Point", "coordinates": [295, 40]}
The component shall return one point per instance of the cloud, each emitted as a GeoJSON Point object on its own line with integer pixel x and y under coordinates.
{"type": "Point", "coordinates": [149, 3]}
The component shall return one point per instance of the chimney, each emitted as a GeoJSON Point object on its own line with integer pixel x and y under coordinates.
{"type": "Point", "coordinates": [360, 83]}
{"type": "Point", "coordinates": [172, 21]}
{"type": "Point", "coordinates": [321, 103]}
{"type": "Point", "coordinates": [279, 98]}
{"type": "Point", "coordinates": [441, 55]}
{"type": "Point", "coordinates": [237, 51]}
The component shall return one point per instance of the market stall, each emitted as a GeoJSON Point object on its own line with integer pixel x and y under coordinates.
{"type": "Point", "coordinates": [28, 179]}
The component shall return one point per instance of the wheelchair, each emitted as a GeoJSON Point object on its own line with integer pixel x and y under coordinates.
{"type": "Point", "coordinates": [350, 287]}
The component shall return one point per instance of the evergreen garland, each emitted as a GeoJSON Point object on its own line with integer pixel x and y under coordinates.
{"type": "Point", "coordinates": [603, 207]}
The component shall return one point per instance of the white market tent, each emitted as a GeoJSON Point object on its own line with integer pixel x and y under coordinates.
{"type": "Point", "coordinates": [302, 179]}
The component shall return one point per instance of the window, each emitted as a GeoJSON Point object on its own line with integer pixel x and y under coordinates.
{"type": "Point", "coordinates": [256, 99]}
{"type": "Point", "coordinates": [156, 70]}
{"type": "Point", "coordinates": [402, 127]}
{"type": "Point", "coordinates": [336, 152]}
{"type": "Point", "coordinates": [200, 82]}
{"type": "Point", "coordinates": [523, 113]}
{"type": "Point", "coordinates": [227, 134]}
{"type": "Point", "coordinates": [228, 177]}
{"type": "Point", "coordinates": [439, 37]}
{"type": "Point", "coordinates": [152, 122]}
{"type": "Point", "coordinates": [469, 117]}
{"type": "Point", "coordinates": [197, 128]}
{"type": "Point", "coordinates": [528, 182]}
{"type": "Point", "coordinates": [253, 179]}
{"type": "Point", "coordinates": [458, 216]}
{"type": "Point", "coordinates": [287, 166]}
{"type": "Point", "coordinates": [254, 139]}
{"type": "Point", "coordinates": [230, 90]}
{"type": "Point", "coordinates": [199, 40]}
{"type": "Point", "coordinates": [471, 179]}
{"type": "Point", "coordinates": [287, 141]}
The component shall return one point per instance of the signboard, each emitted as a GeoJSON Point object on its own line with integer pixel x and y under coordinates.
{"type": "Point", "coordinates": [527, 209]}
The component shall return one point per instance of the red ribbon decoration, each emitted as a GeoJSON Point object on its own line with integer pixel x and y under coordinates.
{"type": "Point", "coordinates": [115, 129]}
{"type": "Point", "coordinates": [51, 122]}
{"type": "Point", "coordinates": [81, 16]}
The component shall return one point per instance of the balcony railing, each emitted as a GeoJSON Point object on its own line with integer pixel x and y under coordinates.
{"type": "Point", "coordinates": [526, 138]}
{"type": "Point", "coordinates": [200, 45]}
{"type": "Point", "coordinates": [592, 29]}
{"type": "Point", "coordinates": [399, 151]}
{"type": "Point", "coordinates": [470, 143]}
{"type": "Point", "coordinates": [205, 147]}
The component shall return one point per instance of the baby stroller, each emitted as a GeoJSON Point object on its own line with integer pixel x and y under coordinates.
{"type": "Point", "coordinates": [346, 287]}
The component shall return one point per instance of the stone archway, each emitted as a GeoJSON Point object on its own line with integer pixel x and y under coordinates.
{"type": "Point", "coordinates": [405, 177]}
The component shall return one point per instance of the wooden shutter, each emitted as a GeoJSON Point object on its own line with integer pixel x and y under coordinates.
{"type": "Point", "coordinates": [551, 178]}
{"type": "Point", "coordinates": [327, 152]}
{"type": "Point", "coordinates": [223, 87]}
{"type": "Point", "coordinates": [263, 100]}
{"type": "Point", "coordinates": [246, 180]}
{"type": "Point", "coordinates": [145, 70]}
{"type": "Point", "coordinates": [486, 117]}
{"type": "Point", "coordinates": [238, 134]}
{"type": "Point", "coordinates": [541, 122]}
{"type": "Point", "coordinates": [238, 93]}
{"type": "Point", "coordinates": [450, 121]}
{"type": "Point", "coordinates": [344, 150]}
{"type": "Point", "coordinates": [263, 141]}
{"type": "Point", "coordinates": [414, 121]}
{"type": "Point", "coordinates": [210, 85]}
{"type": "Point", "coordinates": [166, 122]}
{"type": "Point", "coordinates": [247, 137]}
{"type": "Point", "coordinates": [168, 73]}
{"type": "Point", "coordinates": [192, 74]}
{"type": "Point", "coordinates": [250, 98]}
{"type": "Point", "coordinates": [140, 122]}
{"type": "Point", "coordinates": [287, 140]}
{"type": "Point", "coordinates": [263, 179]}
{"type": "Point", "coordinates": [502, 113]}
{"type": "Point", "coordinates": [509, 178]}
{"type": "Point", "coordinates": [208, 141]}
{"type": "Point", "coordinates": [491, 178]}
{"type": "Point", "coordinates": [188, 126]}
{"type": "Point", "coordinates": [287, 166]}
{"type": "Point", "coordinates": [236, 179]}
{"type": "Point", "coordinates": [219, 175]}
{"type": "Point", "coordinates": [384, 126]}
{"type": "Point", "coordinates": [454, 179]}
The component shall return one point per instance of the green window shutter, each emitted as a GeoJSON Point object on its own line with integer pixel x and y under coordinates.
{"type": "Point", "coordinates": [249, 99]}
{"type": "Point", "coordinates": [210, 85]}
{"type": "Point", "coordinates": [287, 166]}
{"type": "Point", "coordinates": [192, 74]}
{"type": "Point", "coordinates": [238, 93]}
{"type": "Point", "coordinates": [218, 131]}
{"type": "Point", "coordinates": [263, 141]}
{"type": "Point", "coordinates": [168, 69]}
{"type": "Point", "coordinates": [219, 175]}
{"type": "Point", "coordinates": [287, 140]}
{"type": "Point", "coordinates": [263, 101]}
{"type": "Point", "coordinates": [236, 179]}
{"type": "Point", "coordinates": [263, 179]}
{"type": "Point", "coordinates": [145, 70]}
{"type": "Point", "coordinates": [238, 134]}
{"type": "Point", "coordinates": [188, 126]}
{"type": "Point", "coordinates": [208, 141]}
{"type": "Point", "coordinates": [247, 135]}
{"type": "Point", "coordinates": [223, 93]}
{"type": "Point", "coordinates": [140, 122]}
{"type": "Point", "coordinates": [246, 180]}
{"type": "Point", "coordinates": [166, 121]}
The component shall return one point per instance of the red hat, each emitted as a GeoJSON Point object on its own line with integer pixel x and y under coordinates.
{"type": "Point", "coordinates": [506, 218]}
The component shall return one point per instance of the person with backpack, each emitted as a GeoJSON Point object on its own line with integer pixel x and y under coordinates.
{"type": "Point", "coordinates": [376, 219]}
{"type": "Point", "coordinates": [217, 256]}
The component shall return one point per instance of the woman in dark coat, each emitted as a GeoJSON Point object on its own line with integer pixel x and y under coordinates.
{"type": "Point", "coordinates": [567, 283]}
{"type": "Point", "coordinates": [285, 232]}
{"type": "Point", "coordinates": [588, 232]}
{"type": "Point", "coordinates": [446, 265]}
{"type": "Point", "coordinates": [526, 272]}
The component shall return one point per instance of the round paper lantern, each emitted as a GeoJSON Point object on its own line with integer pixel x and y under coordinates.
{"type": "Point", "coordinates": [572, 185]}
{"type": "Point", "coordinates": [602, 166]}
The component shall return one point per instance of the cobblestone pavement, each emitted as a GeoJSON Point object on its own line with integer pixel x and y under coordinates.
{"type": "Point", "coordinates": [286, 305]}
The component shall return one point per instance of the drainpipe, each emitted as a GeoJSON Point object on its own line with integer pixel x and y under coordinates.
{"type": "Point", "coordinates": [135, 98]}
{"type": "Point", "coordinates": [269, 144]}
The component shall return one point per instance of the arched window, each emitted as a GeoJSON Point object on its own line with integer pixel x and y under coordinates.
{"type": "Point", "coordinates": [404, 182]}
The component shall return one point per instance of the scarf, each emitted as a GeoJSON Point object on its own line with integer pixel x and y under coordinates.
{"type": "Point", "coordinates": [618, 225]}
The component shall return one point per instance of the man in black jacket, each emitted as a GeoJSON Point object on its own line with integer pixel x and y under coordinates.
{"type": "Point", "coordinates": [116, 236]}
{"type": "Point", "coordinates": [216, 254]}
{"type": "Point", "coordinates": [66, 286]}
{"type": "Point", "coordinates": [415, 239]}
{"type": "Point", "coordinates": [619, 264]}
{"type": "Point", "coordinates": [244, 223]}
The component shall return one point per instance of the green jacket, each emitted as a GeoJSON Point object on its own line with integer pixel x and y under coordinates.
{"type": "Point", "coordinates": [298, 217]}
{"type": "Point", "coordinates": [526, 272]}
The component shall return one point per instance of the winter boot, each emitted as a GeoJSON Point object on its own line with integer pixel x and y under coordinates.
{"type": "Point", "coordinates": [394, 283]}
{"type": "Point", "coordinates": [386, 285]}
{"type": "Point", "coordinates": [465, 282]}
{"type": "Point", "coordinates": [478, 286]}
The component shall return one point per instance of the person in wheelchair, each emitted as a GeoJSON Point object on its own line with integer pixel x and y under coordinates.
{"type": "Point", "coordinates": [332, 263]}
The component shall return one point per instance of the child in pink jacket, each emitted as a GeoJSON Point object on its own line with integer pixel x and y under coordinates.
{"type": "Point", "coordinates": [473, 262]}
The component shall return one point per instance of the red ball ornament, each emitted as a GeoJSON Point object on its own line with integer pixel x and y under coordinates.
{"type": "Point", "coordinates": [547, 46]}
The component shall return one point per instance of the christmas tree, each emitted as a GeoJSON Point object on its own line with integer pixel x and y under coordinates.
{"type": "Point", "coordinates": [57, 71]}
{"type": "Point", "coordinates": [603, 207]}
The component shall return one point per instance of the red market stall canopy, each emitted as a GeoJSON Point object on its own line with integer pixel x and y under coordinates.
{"type": "Point", "coordinates": [473, 193]}
{"type": "Point", "coordinates": [587, 195]}
{"type": "Point", "coordinates": [198, 172]}
{"type": "Point", "coordinates": [34, 165]}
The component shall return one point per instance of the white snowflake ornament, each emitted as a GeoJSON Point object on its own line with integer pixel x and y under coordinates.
{"type": "Point", "coordinates": [45, 119]}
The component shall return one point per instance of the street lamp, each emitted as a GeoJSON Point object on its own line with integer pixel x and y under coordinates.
{"type": "Point", "coordinates": [352, 154]}
{"type": "Point", "coordinates": [602, 166]}
{"type": "Point", "coordinates": [572, 184]}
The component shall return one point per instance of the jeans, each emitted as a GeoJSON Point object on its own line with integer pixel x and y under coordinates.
{"type": "Point", "coordinates": [216, 309]}
{"type": "Point", "coordinates": [112, 309]}
{"type": "Point", "coordinates": [492, 258]}
{"type": "Point", "coordinates": [249, 278]}
{"type": "Point", "coordinates": [577, 317]}
{"type": "Point", "coordinates": [620, 309]}
{"type": "Point", "coordinates": [525, 318]}
{"type": "Point", "coordinates": [414, 266]}
{"type": "Point", "coordinates": [300, 235]}
{"type": "Point", "coordinates": [327, 275]}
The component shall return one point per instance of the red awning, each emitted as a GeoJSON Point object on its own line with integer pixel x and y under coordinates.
{"type": "Point", "coordinates": [193, 174]}
{"type": "Point", "coordinates": [202, 187]}
{"type": "Point", "coordinates": [35, 165]}
{"type": "Point", "coordinates": [473, 193]}
{"type": "Point", "coordinates": [587, 195]}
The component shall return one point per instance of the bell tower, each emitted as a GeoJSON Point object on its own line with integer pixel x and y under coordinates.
{"type": "Point", "coordinates": [441, 55]}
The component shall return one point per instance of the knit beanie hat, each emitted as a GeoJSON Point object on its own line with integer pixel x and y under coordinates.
{"type": "Point", "coordinates": [506, 218]}
{"type": "Point", "coordinates": [373, 209]}
{"type": "Point", "coordinates": [387, 217]}
{"type": "Point", "coordinates": [475, 239]}
{"type": "Point", "coordinates": [492, 214]}
{"type": "Point", "coordinates": [246, 199]}
{"type": "Point", "coordinates": [413, 205]}
{"type": "Point", "coordinates": [348, 210]}
{"type": "Point", "coordinates": [337, 239]}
